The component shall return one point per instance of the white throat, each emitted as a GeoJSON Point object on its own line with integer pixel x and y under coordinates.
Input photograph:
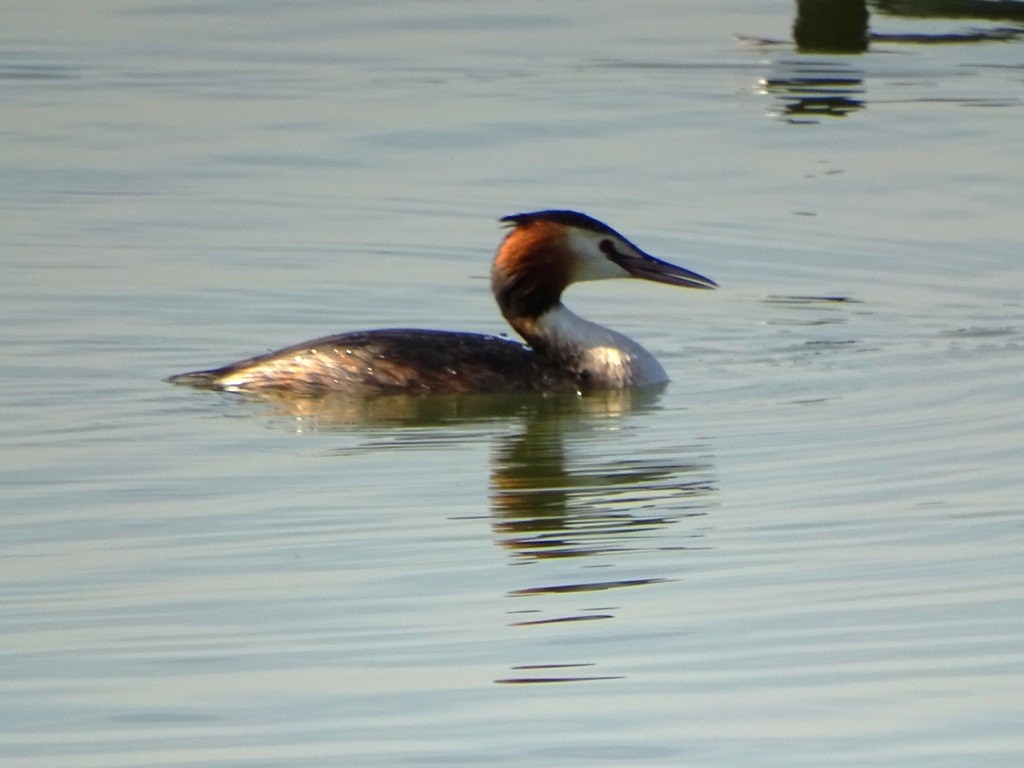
{"type": "Point", "coordinates": [608, 359]}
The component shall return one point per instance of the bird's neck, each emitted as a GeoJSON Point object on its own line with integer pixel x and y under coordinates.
{"type": "Point", "coordinates": [602, 358]}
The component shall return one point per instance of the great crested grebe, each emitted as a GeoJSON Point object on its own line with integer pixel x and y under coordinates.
{"type": "Point", "coordinates": [545, 252]}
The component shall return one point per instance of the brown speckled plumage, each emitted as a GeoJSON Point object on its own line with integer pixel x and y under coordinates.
{"type": "Point", "coordinates": [393, 360]}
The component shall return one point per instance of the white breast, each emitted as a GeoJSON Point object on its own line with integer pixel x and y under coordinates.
{"type": "Point", "coordinates": [608, 358]}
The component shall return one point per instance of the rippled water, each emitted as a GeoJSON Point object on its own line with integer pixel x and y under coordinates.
{"type": "Point", "coordinates": [805, 551]}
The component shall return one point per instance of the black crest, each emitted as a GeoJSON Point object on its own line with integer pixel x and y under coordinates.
{"type": "Point", "coordinates": [568, 218]}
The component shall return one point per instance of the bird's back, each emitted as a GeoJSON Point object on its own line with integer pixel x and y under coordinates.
{"type": "Point", "coordinates": [391, 360]}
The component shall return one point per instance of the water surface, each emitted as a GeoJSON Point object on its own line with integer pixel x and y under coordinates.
{"type": "Point", "coordinates": [805, 551]}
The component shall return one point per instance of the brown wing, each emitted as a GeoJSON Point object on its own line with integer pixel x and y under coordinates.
{"type": "Point", "coordinates": [394, 360]}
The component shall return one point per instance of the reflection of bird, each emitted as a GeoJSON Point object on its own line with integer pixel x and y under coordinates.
{"type": "Point", "coordinates": [560, 489]}
{"type": "Point", "coordinates": [545, 252]}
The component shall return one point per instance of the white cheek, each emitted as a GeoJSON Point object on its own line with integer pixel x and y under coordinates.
{"type": "Point", "coordinates": [592, 264]}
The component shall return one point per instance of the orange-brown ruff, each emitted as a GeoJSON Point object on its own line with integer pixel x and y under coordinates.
{"type": "Point", "coordinates": [544, 253]}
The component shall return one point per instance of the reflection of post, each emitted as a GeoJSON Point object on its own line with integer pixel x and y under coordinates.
{"type": "Point", "coordinates": [993, 10]}
{"type": "Point", "coordinates": [814, 87]}
{"type": "Point", "coordinates": [831, 26]}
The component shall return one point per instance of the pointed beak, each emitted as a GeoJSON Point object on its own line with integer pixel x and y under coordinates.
{"type": "Point", "coordinates": [645, 266]}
